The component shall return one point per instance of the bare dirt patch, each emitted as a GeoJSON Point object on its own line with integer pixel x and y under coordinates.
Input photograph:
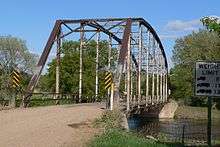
{"type": "Point", "coordinates": [53, 126]}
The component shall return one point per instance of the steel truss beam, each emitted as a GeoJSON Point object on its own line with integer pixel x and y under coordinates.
{"type": "Point", "coordinates": [97, 25]}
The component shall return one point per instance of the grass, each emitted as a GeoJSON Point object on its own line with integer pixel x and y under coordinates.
{"type": "Point", "coordinates": [188, 112]}
{"type": "Point", "coordinates": [121, 138]}
{"type": "Point", "coordinates": [45, 102]}
{"type": "Point", "coordinates": [217, 142]}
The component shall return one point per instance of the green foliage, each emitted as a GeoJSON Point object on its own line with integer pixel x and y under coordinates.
{"type": "Point", "coordinates": [202, 45]}
{"type": "Point", "coordinates": [162, 137]}
{"type": "Point", "coordinates": [14, 54]}
{"type": "Point", "coordinates": [70, 69]}
{"type": "Point", "coordinates": [212, 23]}
{"type": "Point", "coordinates": [36, 102]}
{"type": "Point", "coordinates": [109, 120]}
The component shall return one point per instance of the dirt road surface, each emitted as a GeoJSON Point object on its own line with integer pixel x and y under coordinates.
{"type": "Point", "coordinates": [51, 126]}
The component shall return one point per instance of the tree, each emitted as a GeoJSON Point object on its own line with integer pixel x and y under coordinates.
{"type": "Point", "coordinates": [202, 45]}
{"type": "Point", "coordinates": [212, 23]}
{"type": "Point", "coordinates": [69, 73]}
{"type": "Point", "coordinates": [13, 54]}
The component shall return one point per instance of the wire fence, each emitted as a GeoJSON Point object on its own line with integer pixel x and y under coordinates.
{"type": "Point", "coordinates": [187, 132]}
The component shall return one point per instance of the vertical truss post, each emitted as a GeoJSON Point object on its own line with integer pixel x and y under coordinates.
{"type": "Point", "coordinates": [152, 97]}
{"type": "Point", "coordinates": [147, 80]}
{"type": "Point", "coordinates": [81, 60]}
{"type": "Point", "coordinates": [121, 60]}
{"type": "Point", "coordinates": [128, 75]}
{"type": "Point", "coordinates": [157, 80]}
{"type": "Point", "coordinates": [147, 69]}
{"type": "Point", "coordinates": [132, 98]}
{"type": "Point", "coordinates": [139, 63]}
{"type": "Point", "coordinates": [166, 87]}
{"type": "Point", "coordinates": [153, 73]}
{"type": "Point", "coordinates": [109, 52]}
{"type": "Point", "coordinates": [125, 75]}
{"type": "Point", "coordinates": [157, 92]}
{"type": "Point", "coordinates": [97, 66]}
{"type": "Point", "coordinates": [161, 84]}
{"type": "Point", "coordinates": [58, 66]}
{"type": "Point", "coordinates": [109, 59]}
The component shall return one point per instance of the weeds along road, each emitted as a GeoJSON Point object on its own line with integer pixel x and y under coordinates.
{"type": "Point", "coordinates": [51, 126]}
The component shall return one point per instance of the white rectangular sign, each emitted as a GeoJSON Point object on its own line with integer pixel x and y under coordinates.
{"type": "Point", "coordinates": [207, 80]}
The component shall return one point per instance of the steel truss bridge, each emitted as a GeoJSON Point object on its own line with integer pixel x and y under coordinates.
{"type": "Point", "coordinates": [141, 67]}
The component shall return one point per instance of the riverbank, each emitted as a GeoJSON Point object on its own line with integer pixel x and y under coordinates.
{"type": "Point", "coordinates": [189, 112]}
{"type": "Point", "coordinates": [114, 135]}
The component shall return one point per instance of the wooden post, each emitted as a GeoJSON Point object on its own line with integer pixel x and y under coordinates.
{"type": "Point", "coordinates": [12, 101]}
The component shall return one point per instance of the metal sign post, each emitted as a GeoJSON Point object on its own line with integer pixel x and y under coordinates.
{"type": "Point", "coordinates": [209, 126]}
{"type": "Point", "coordinates": [16, 81]}
{"type": "Point", "coordinates": [109, 86]}
{"type": "Point", "coordinates": [207, 83]}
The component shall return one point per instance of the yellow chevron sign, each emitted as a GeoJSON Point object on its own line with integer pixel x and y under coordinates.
{"type": "Point", "coordinates": [108, 80]}
{"type": "Point", "coordinates": [16, 78]}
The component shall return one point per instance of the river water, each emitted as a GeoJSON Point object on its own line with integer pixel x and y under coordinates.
{"type": "Point", "coordinates": [175, 130]}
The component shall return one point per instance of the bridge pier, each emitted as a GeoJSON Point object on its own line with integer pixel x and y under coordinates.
{"type": "Point", "coordinates": [158, 110]}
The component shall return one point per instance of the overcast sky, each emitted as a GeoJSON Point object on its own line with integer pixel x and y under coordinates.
{"type": "Point", "coordinates": [33, 20]}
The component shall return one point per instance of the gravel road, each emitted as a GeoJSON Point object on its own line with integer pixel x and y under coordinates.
{"type": "Point", "coordinates": [52, 126]}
